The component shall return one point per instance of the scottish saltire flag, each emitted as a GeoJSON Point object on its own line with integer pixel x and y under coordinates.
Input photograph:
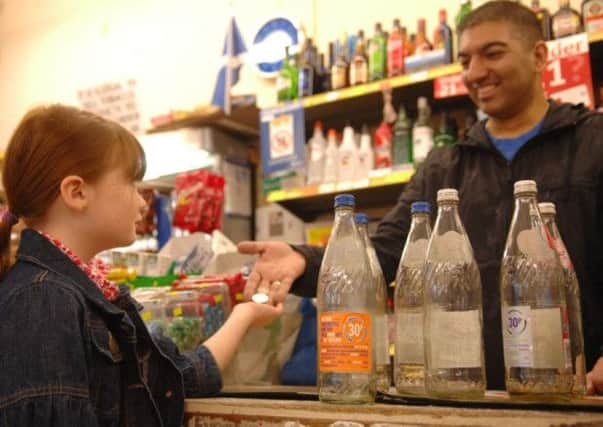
{"type": "Point", "coordinates": [234, 48]}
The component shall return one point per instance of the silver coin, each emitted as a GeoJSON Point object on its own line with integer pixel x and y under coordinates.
{"type": "Point", "coordinates": [260, 298]}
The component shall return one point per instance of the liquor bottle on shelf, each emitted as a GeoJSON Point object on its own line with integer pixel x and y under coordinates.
{"type": "Point", "coordinates": [286, 82]}
{"type": "Point", "coordinates": [409, 375]}
{"type": "Point", "coordinates": [463, 11]}
{"type": "Point", "coordinates": [454, 352]}
{"type": "Point", "coordinates": [447, 132]}
{"type": "Point", "coordinates": [384, 134]}
{"type": "Point", "coordinates": [359, 63]}
{"type": "Point", "coordinates": [323, 76]}
{"type": "Point", "coordinates": [331, 158]}
{"type": "Point", "coordinates": [566, 21]}
{"type": "Point", "coordinates": [533, 306]}
{"type": "Point", "coordinates": [395, 51]}
{"type": "Point", "coordinates": [592, 14]}
{"type": "Point", "coordinates": [347, 157]}
{"type": "Point", "coordinates": [306, 70]}
{"type": "Point", "coordinates": [402, 145]}
{"type": "Point", "coordinates": [317, 146]}
{"type": "Point", "coordinates": [544, 17]}
{"type": "Point", "coordinates": [572, 298]}
{"type": "Point", "coordinates": [377, 54]}
{"type": "Point", "coordinates": [442, 37]}
{"type": "Point", "coordinates": [366, 156]}
{"type": "Point", "coordinates": [345, 308]}
{"type": "Point", "coordinates": [422, 43]}
{"type": "Point", "coordinates": [422, 133]}
{"type": "Point", "coordinates": [381, 351]}
{"type": "Point", "coordinates": [339, 70]}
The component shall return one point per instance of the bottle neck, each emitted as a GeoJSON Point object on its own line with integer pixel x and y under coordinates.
{"type": "Point", "coordinates": [448, 218]}
{"type": "Point", "coordinates": [420, 226]}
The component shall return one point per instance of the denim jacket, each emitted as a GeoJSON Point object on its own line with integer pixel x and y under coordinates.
{"type": "Point", "coordinates": [70, 357]}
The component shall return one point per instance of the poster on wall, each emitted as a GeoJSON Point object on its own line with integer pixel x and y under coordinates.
{"type": "Point", "coordinates": [116, 100]}
{"type": "Point", "coordinates": [282, 138]}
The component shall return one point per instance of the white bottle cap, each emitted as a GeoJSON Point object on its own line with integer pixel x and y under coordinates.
{"type": "Point", "coordinates": [547, 208]}
{"type": "Point", "coordinates": [448, 194]}
{"type": "Point", "coordinates": [525, 186]}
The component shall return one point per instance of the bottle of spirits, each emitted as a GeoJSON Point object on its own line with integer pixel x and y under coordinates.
{"type": "Point", "coordinates": [306, 70]}
{"type": "Point", "coordinates": [286, 82]}
{"type": "Point", "coordinates": [566, 21]}
{"type": "Point", "coordinates": [408, 304]}
{"type": "Point", "coordinates": [345, 307]}
{"type": "Point", "coordinates": [366, 156]}
{"type": "Point", "coordinates": [347, 158]}
{"type": "Point", "coordinates": [402, 146]}
{"type": "Point", "coordinates": [442, 37]}
{"type": "Point", "coordinates": [381, 352]}
{"type": "Point", "coordinates": [592, 14]}
{"type": "Point", "coordinates": [422, 43]}
{"type": "Point", "coordinates": [463, 11]}
{"type": "Point", "coordinates": [534, 323]}
{"type": "Point", "coordinates": [544, 17]}
{"type": "Point", "coordinates": [377, 54]}
{"type": "Point", "coordinates": [359, 64]}
{"type": "Point", "coordinates": [395, 51]}
{"type": "Point", "coordinates": [447, 134]}
{"type": "Point", "coordinates": [339, 71]}
{"type": "Point", "coordinates": [317, 146]}
{"type": "Point", "coordinates": [422, 134]}
{"type": "Point", "coordinates": [572, 298]}
{"type": "Point", "coordinates": [331, 158]}
{"type": "Point", "coordinates": [454, 353]}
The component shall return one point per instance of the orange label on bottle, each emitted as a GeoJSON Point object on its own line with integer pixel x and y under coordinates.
{"type": "Point", "coordinates": [344, 342]}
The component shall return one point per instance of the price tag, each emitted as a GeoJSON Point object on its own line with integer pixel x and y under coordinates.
{"type": "Point", "coordinates": [567, 76]}
{"type": "Point", "coordinates": [449, 86]}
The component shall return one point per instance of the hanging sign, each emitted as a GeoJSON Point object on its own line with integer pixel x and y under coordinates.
{"type": "Point", "coordinates": [567, 76]}
{"type": "Point", "coordinates": [282, 136]}
{"type": "Point", "coordinates": [449, 86]}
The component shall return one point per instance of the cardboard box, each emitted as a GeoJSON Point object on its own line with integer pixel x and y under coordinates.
{"type": "Point", "coordinates": [273, 222]}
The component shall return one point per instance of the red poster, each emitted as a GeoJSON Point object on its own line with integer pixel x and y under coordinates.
{"type": "Point", "coordinates": [567, 76]}
{"type": "Point", "coordinates": [449, 86]}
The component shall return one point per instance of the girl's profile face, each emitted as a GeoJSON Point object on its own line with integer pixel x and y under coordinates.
{"type": "Point", "coordinates": [114, 208]}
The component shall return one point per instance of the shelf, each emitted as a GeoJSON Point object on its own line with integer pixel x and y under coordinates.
{"type": "Point", "coordinates": [309, 201]}
{"type": "Point", "coordinates": [243, 121]}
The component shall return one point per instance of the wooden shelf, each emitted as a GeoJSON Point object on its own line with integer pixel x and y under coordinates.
{"type": "Point", "coordinates": [243, 121]}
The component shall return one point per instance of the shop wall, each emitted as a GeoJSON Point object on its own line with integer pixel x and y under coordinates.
{"type": "Point", "coordinates": [50, 49]}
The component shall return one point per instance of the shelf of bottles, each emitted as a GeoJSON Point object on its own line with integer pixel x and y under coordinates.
{"type": "Point", "coordinates": [386, 177]}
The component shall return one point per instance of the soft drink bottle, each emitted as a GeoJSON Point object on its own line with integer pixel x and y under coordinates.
{"type": "Point", "coordinates": [409, 372]}
{"type": "Point", "coordinates": [346, 304]}
{"type": "Point", "coordinates": [381, 352]}
{"type": "Point", "coordinates": [572, 298]}
{"type": "Point", "coordinates": [533, 309]}
{"type": "Point", "coordinates": [454, 353]}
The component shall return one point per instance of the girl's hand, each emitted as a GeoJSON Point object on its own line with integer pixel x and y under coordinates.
{"type": "Point", "coordinates": [257, 314]}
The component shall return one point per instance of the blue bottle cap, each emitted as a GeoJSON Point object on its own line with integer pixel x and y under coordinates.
{"type": "Point", "coordinates": [345, 200]}
{"type": "Point", "coordinates": [420, 207]}
{"type": "Point", "coordinates": [361, 218]}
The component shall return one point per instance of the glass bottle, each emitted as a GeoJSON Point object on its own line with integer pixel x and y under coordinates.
{"type": "Point", "coordinates": [572, 298]}
{"type": "Point", "coordinates": [446, 135]}
{"type": "Point", "coordinates": [534, 325]}
{"type": "Point", "coordinates": [331, 162]}
{"type": "Point", "coordinates": [422, 134]}
{"type": "Point", "coordinates": [346, 303]}
{"type": "Point", "coordinates": [409, 353]}
{"type": "Point", "coordinates": [339, 70]}
{"type": "Point", "coordinates": [306, 70]}
{"type": "Point", "coordinates": [402, 144]}
{"type": "Point", "coordinates": [463, 11]}
{"type": "Point", "coordinates": [544, 17]}
{"type": "Point", "coordinates": [442, 37]}
{"type": "Point", "coordinates": [592, 15]}
{"type": "Point", "coordinates": [286, 82]}
{"type": "Point", "coordinates": [381, 351]}
{"type": "Point", "coordinates": [377, 54]}
{"type": "Point", "coordinates": [454, 353]}
{"type": "Point", "coordinates": [395, 51]}
{"type": "Point", "coordinates": [422, 43]}
{"type": "Point", "coordinates": [317, 145]}
{"type": "Point", "coordinates": [566, 21]}
{"type": "Point", "coordinates": [359, 64]}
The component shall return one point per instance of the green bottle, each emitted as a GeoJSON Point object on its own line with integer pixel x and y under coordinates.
{"type": "Point", "coordinates": [446, 135]}
{"type": "Point", "coordinates": [402, 138]}
{"type": "Point", "coordinates": [463, 11]}
{"type": "Point", "coordinates": [287, 80]}
{"type": "Point", "coordinates": [377, 54]}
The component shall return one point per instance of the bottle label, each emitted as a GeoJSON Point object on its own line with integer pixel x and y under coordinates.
{"type": "Point", "coordinates": [593, 16]}
{"type": "Point", "coordinates": [345, 342]}
{"type": "Point", "coordinates": [358, 73]}
{"type": "Point", "coordinates": [455, 339]}
{"type": "Point", "coordinates": [422, 142]}
{"type": "Point", "coordinates": [395, 56]}
{"type": "Point", "coordinates": [533, 338]}
{"type": "Point", "coordinates": [338, 78]}
{"type": "Point", "coordinates": [566, 25]}
{"type": "Point", "coordinates": [381, 340]}
{"type": "Point", "coordinates": [409, 338]}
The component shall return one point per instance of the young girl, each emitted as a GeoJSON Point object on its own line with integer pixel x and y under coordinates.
{"type": "Point", "coordinates": [75, 351]}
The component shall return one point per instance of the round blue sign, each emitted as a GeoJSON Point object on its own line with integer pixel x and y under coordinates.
{"type": "Point", "coordinates": [270, 42]}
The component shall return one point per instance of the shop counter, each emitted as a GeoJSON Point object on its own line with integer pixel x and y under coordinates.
{"type": "Point", "coordinates": [274, 406]}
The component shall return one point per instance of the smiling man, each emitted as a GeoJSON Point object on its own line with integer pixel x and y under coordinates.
{"type": "Point", "coordinates": [525, 136]}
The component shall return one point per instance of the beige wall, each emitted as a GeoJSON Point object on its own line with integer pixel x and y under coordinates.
{"type": "Point", "coordinates": [51, 48]}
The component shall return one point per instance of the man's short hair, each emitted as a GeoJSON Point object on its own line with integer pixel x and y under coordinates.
{"type": "Point", "coordinates": [524, 19]}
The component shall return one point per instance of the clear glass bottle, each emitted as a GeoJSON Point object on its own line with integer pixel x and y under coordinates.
{"type": "Point", "coordinates": [381, 352]}
{"type": "Point", "coordinates": [544, 17]}
{"type": "Point", "coordinates": [592, 15]}
{"type": "Point", "coordinates": [422, 133]}
{"type": "Point", "coordinates": [409, 352]}
{"type": "Point", "coordinates": [566, 21]}
{"type": "Point", "coordinates": [346, 304]}
{"type": "Point", "coordinates": [572, 299]}
{"type": "Point", "coordinates": [454, 353]}
{"type": "Point", "coordinates": [402, 145]}
{"type": "Point", "coordinates": [317, 145]}
{"type": "Point", "coordinates": [534, 327]}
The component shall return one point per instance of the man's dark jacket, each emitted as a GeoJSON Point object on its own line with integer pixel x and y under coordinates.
{"type": "Point", "coordinates": [566, 161]}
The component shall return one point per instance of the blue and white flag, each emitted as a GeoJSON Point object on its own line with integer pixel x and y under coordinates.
{"type": "Point", "coordinates": [234, 48]}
